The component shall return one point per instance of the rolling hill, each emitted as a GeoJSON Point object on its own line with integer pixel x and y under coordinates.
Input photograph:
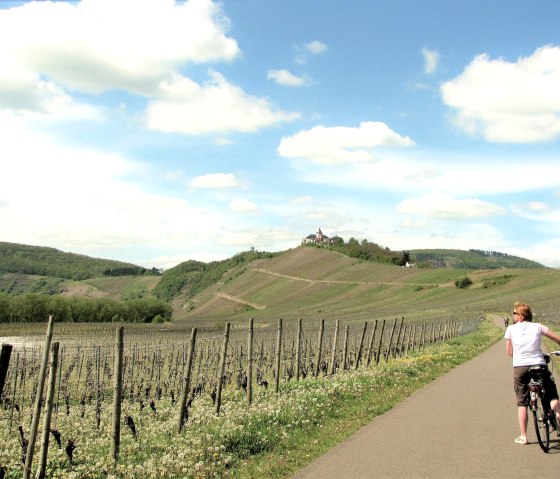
{"type": "Point", "coordinates": [318, 283]}
{"type": "Point", "coordinates": [471, 259]}
{"type": "Point", "coordinates": [304, 282]}
{"type": "Point", "coordinates": [44, 261]}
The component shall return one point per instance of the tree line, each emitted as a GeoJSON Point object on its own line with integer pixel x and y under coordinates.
{"type": "Point", "coordinates": [471, 259]}
{"type": "Point", "coordinates": [131, 271]}
{"type": "Point", "coordinates": [26, 308]}
{"type": "Point", "coordinates": [370, 251]}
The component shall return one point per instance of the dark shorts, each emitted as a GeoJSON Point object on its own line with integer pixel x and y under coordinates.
{"type": "Point", "coordinates": [521, 378]}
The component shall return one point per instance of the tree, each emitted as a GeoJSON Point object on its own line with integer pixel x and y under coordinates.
{"type": "Point", "coordinates": [405, 258]}
{"type": "Point", "coordinates": [463, 282]}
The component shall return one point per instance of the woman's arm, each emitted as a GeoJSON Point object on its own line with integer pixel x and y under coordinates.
{"type": "Point", "coordinates": [552, 335]}
{"type": "Point", "coordinates": [509, 347]}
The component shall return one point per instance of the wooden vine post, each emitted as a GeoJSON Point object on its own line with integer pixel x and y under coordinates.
{"type": "Point", "coordinates": [333, 354]}
{"type": "Point", "coordinates": [38, 400]}
{"type": "Point", "coordinates": [319, 348]}
{"type": "Point", "coordinates": [187, 382]}
{"type": "Point", "coordinates": [345, 354]}
{"type": "Point", "coordinates": [378, 357]}
{"type": "Point", "coordinates": [14, 389]}
{"type": "Point", "coordinates": [4, 363]}
{"type": "Point", "coordinates": [278, 357]}
{"type": "Point", "coordinates": [298, 350]}
{"type": "Point", "coordinates": [370, 345]}
{"type": "Point", "coordinates": [41, 468]}
{"type": "Point", "coordinates": [359, 355]}
{"type": "Point", "coordinates": [391, 340]}
{"type": "Point", "coordinates": [117, 392]}
{"type": "Point", "coordinates": [222, 370]}
{"type": "Point", "coordinates": [408, 340]}
{"type": "Point", "coordinates": [397, 349]}
{"type": "Point", "coordinates": [414, 343]}
{"type": "Point", "coordinates": [250, 363]}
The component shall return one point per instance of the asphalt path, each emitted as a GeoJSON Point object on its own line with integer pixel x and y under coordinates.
{"type": "Point", "coordinates": [462, 425]}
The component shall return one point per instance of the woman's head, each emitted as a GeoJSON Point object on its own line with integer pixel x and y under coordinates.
{"type": "Point", "coordinates": [522, 312]}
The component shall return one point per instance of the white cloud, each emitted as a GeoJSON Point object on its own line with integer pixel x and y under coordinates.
{"type": "Point", "coordinates": [440, 206]}
{"type": "Point", "coordinates": [431, 60]}
{"type": "Point", "coordinates": [538, 211]}
{"type": "Point", "coordinates": [414, 224]}
{"type": "Point", "coordinates": [92, 202]}
{"type": "Point", "coordinates": [424, 171]}
{"type": "Point", "coordinates": [243, 206]}
{"type": "Point", "coordinates": [264, 239]}
{"type": "Point", "coordinates": [544, 252]}
{"type": "Point", "coordinates": [243, 239]}
{"type": "Point", "coordinates": [302, 199]}
{"type": "Point", "coordinates": [217, 106]}
{"type": "Point", "coordinates": [316, 47]}
{"type": "Point", "coordinates": [216, 180]}
{"type": "Point", "coordinates": [312, 48]}
{"type": "Point", "coordinates": [425, 174]}
{"type": "Point", "coordinates": [508, 102]}
{"type": "Point", "coordinates": [173, 175]}
{"type": "Point", "coordinates": [49, 50]}
{"type": "Point", "coordinates": [85, 47]}
{"type": "Point", "coordinates": [339, 144]}
{"type": "Point", "coordinates": [538, 206]}
{"type": "Point", "coordinates": [285, 78]}
{"type": "Point", "coordinates": [437, 234]}
{"type": "Point", "coordinates": [222, 141]}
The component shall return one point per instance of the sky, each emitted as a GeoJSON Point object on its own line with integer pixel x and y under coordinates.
{"type": "Point", "coordinates": [158, 131]}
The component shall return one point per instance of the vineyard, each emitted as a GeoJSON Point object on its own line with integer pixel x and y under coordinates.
{"type": "Point", "coordinates": [179, 406]}
{"type": "Point", "coordinates": [210, 393]}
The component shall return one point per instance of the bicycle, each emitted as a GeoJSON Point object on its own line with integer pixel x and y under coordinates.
{"type": "Point", "coordinates": [544, 418]}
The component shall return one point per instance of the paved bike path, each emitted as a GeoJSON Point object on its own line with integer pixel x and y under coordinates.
{"type": "Point", "coordinates": [462, 425]}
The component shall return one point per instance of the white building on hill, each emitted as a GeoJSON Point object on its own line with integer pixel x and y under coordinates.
{"type": "Point", "coordinates": [320, 238]}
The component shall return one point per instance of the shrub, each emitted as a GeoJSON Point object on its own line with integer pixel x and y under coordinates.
{"type": "Point", "coordinates": [463, 282]}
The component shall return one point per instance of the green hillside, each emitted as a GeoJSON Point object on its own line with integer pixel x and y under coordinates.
{"type": "Point", "coordinates": [304, 282]}
{"type": "Point", "coordinates": [43, 261]}
{"type": "Point", "coordinates": [471, 259]}
{"type": "Point", "coordinates": [317, 283]}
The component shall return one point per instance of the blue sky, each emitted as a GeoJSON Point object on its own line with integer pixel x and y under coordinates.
{"type": "Point", "coordinates": [157, 131]}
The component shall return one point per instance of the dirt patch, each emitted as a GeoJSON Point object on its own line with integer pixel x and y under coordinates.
{"type": "Point", "coordinates": [83, 290]}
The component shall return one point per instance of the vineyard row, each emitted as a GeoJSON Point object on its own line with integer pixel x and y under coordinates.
{"type": "Point", "coordinates": [179, 371]}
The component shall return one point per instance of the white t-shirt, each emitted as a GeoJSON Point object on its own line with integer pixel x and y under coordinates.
{"type": "Point", "coordinates": [526, 341]}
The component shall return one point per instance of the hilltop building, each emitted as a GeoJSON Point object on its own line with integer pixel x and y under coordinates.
{"type": "Point", "coordinates": [320, 238]}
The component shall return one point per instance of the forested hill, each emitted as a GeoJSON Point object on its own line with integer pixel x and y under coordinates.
{"type": "Point", "coordinates": [471, 259]}
{"type": "Point", "coordinates": [44, 261]}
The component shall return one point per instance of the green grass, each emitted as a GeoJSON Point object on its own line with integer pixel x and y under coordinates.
{"type": "Point", "coordinates": [361, 397]}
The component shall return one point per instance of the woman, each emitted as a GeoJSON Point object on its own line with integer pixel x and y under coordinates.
{"type": "Point", "coordinates": [523, 343]}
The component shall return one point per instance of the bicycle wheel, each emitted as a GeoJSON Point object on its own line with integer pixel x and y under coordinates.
{"type": "Point", "coordinates": [554, 424]}
{"type": "Point", "coordinates": [542, 426]}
